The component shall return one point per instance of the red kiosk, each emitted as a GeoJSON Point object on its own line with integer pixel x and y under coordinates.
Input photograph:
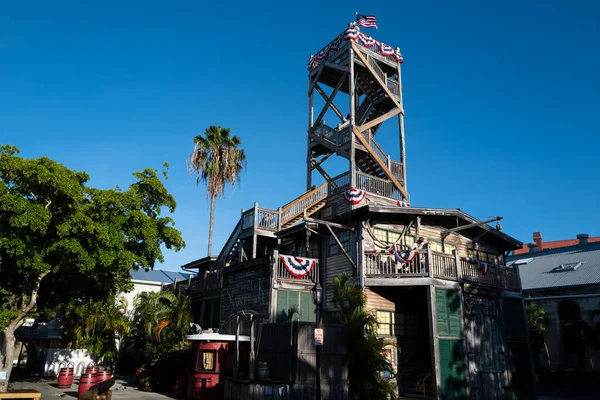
{"type": "Point", "coordinates": [215, 357]}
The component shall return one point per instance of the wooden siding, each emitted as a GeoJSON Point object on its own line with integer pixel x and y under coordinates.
{"type": "Point", "coordinates": [376, 301]}
{"type": "Point", "coordinates": [246, 286]}
{"type": "Point", "coordinates": [334, 266]}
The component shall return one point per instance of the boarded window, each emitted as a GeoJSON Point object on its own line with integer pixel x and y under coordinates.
{"type": "Point", "coordinates": [448, 312]}
{"type": "Point", "coordinates": [407, 324]}
{"type": "Point", "coordinates": [452, 369]}
{"type": "Point", "coordinates": [295, 305]}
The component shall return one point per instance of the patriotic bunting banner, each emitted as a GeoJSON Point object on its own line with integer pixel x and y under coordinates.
{"type": "Point", "coordinates": [298, 267]}
{"type": "Point", "coordinates": [404, 255]}
{"type": "Point", "coordinates": [355, 196]}
{"type": "Point", "coordinates": [354, 35]}
{"type": "Point", "coordinates": [401, 203]}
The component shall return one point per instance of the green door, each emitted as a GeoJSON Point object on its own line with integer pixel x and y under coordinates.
{"type": "Point", "coordinates": [452, 369]}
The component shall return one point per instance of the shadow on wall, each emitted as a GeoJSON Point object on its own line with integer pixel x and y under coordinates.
{"type": "Point", "coordinates": [63, 358]}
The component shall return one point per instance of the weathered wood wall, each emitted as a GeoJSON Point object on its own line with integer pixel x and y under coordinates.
{"type": "Point", "coordinates": [246, 286]}
{"type": "Point", "coordinates": [290, 352]}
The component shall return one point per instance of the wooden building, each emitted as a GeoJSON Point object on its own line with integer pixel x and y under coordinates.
{"type": "Point", "coordinates": [452, 312]}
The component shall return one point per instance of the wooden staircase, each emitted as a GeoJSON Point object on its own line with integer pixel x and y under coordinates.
{"type": "Point", "coordinates": [310, 202]}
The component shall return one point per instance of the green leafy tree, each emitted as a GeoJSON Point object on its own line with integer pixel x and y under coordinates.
{"type": "Point", "coordinates": [216, 160]}
{"type": "Point", "coordinates": [366, 361]}
{"type": "Point", "coordinates": [537, 318]}
{"type": "Point", "coordinates": [61, 240]}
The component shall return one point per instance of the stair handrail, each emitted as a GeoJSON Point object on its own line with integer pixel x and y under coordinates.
{"type": "Point", "coordinates": [230, 241]}
{"type": "Point", "coordinates": [303, 202]}
{"type": "Point", "coordinates": [423, 380]}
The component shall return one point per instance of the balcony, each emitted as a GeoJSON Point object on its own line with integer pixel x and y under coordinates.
{"type": "Point", "coordinates": [434, 264]}
{"type": "Point", "coordinates": [283, 273]}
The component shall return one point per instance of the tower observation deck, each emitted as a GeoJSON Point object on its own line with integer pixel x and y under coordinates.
{"type": "Point", "coordinates": [358, 79]}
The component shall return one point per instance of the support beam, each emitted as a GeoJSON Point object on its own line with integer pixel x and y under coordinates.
{"type": "Point", "coordinates": [380, 162]}
{"type": "Point", "coordinates": [378, 120]}
{"type": "Point", "coordinates": [377, 78]}
{"type": "Point", "coordinates": [401, 128]}
{"type": "Point", "coordinates": [329, 101]}
{"type": "Point", "coordinates": [351, 91]}
{"type": "Point", "coordinates": [322, 160]}
{"type": "Point", "coordinates": [333, 224]}
{"type": "Point", "coordinates": [337, 67]}
{"type": "Point", "coordinates": [343, 249]}
{"type": "Point", "coordinates": [447, 232]}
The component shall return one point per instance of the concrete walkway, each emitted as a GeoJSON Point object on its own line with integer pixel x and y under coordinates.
{"type": "Point", "coordinates": [121, 390]}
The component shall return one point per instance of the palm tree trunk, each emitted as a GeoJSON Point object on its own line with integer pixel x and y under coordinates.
{"type": "Point", "coordinates": [210, 229]}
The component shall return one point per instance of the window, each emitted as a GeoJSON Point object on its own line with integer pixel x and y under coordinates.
{"type": "Point", "coordinates": [206, 360]}
{"type": "Point", "coordinates": [212, 314]}
{"type": "Point", "coordinates": [295, 305]}
{"type": "Point", "coordinates": [407, 324]}
{"type": "Point", "coordinates": [390, 237]}
{"type": "Point", "coordinates": [345, 238]}
{"type": "Point", "coordinates": [435, 245]}
{"type": "Point", "coordinates": [486, 256]}
{"type": "Point", "coordinates": [313, 249]}
{"type": "Point", "coordinates": [385, 323]}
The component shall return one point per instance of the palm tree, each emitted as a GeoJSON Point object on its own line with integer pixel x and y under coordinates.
{"type": "Point", "coordinates": [365, 360]}
{"type": "Point", "coordinates": [216, 160]}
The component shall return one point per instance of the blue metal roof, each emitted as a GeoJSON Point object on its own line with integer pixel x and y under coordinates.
{"type": "Point", "coordinates": [159, 275]}
{"type": "Point", "coordinates": [562, 267]}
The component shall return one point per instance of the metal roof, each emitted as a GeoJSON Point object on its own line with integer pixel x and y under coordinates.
{"type": "Point", "coordinates": [159, 275]}
{"type": "Point", "coordinates": [541, 270]}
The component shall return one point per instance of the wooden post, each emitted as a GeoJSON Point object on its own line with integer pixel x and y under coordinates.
{"type": "Point", "coordinates": [311, 114]}
{"type": "Point", "coordinates": [457, 261]}
{"type": "Point", "coordinates": [351, 91]}
{"type": "Point", "coordinates": [279, 219]}
{"type": "Point", "coordinates": [435, 353]}
{"type": "Point", "coordinates": [401, 128]}
{"type": "Point", "coordinates": [389, 162]}
{"type": "Point", "coordinates": [252, 354]}
{"type": "Point", "coordinates": [429, 263]}
{"type": "Point", "coordinates": [237, 347]}
{"type": "Point", "coordinates": [254, 235]}
{"type": "Point", "coordinates": [273, 289]}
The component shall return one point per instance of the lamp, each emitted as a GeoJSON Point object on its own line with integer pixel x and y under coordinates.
{"type": "Point", "coordinates": [317, 292]}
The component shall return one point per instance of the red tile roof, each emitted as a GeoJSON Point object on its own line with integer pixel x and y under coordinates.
{"type": "Point", "coordinates": [556, 244]}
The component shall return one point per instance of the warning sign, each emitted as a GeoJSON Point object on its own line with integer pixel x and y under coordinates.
{"type": "Point", "coordinates": [318, 336]}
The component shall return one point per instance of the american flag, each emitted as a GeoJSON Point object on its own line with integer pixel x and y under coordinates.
{"type": "Point", "coordinates": [368, 21]}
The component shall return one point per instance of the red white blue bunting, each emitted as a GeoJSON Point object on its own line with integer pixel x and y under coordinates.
{"type": "Point", "coordinates": [355, 196]}
{"type": "Point", "coordinates": [400, 256]}
{"type": "Point", "coordinates": [354, 35]}
{"type": "Point", "coordinates": [401, 203]}
{"type": "Point", "coordinates": [483, 267]}
{"type": "Point", "coordinates": [298, 267]}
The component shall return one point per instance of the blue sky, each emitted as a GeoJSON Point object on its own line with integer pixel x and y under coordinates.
{"type": "Point", "coordinates": [501, 100]}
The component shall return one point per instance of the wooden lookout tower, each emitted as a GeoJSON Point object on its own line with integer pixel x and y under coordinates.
{"type": "Point", "coordinates": [363, 78]}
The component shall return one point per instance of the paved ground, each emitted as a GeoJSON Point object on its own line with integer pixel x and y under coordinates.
{"type": "Point", "coordinates": [121, 390]}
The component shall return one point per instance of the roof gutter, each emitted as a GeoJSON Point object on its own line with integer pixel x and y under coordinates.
{"type": "Point", "coordinates": [564, 296]}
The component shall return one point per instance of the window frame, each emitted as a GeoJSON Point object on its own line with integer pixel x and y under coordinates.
{"type": "Point", "coordinates": [476, 253]}
{"type": "Point", "coordinates": [333, 248]}
{"type": "Point", "coordinates": [404, 243]}
{"type": "Point", "coordinates": [446, 246]}
{"type": "Point", "coordinates": [406, 327]}
{"type": "Point", "coordinates": [392, 318]}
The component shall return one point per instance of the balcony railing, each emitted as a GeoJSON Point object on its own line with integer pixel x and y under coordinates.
{"type": "Point", "coordinates": [495, 275]}
{"type": "Point", "coordinates": [339, 183]}
{"type": "Point", "coordinates": [380, 186]}
{"type": "Point", "coordinates": [443, 266]}
{"type": "Point", "coordinates": [338, 137]}
{"type": "Point", "coordinates": [263, 219]}
{"type": "Point", "coordinates": [383, 265]}
{"type": "Point", "coordinates": [283, 273]}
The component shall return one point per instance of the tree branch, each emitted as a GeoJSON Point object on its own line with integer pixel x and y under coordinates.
{"type": "Point", "coordinates": [32, 301]}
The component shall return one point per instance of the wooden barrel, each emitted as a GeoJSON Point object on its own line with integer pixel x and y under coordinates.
{"type": "Point", "coordinates": [85, 383]}
{"type": "Point", "coordinates": [102, 376]}
{"type": "Point", "coordinates": [181, 386]}
{"type": "Point", "coordinates": [65, 378]}
{"type": "Point", "coordinates": [138, 375]}
{"type": "Point", "coordinates": [92, 370]}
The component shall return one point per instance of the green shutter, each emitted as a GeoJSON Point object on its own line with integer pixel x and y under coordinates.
{"type": "Point", "coordinates": [452, 369]}
{"type": "Point", "coordinates": [282, 308]}
{"type": "Point", "coordinates": [448, 312]}
{"type": "Point", "coordinates": [441, 306]}
{"type": "Point", "coordinates": [307, 308]}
